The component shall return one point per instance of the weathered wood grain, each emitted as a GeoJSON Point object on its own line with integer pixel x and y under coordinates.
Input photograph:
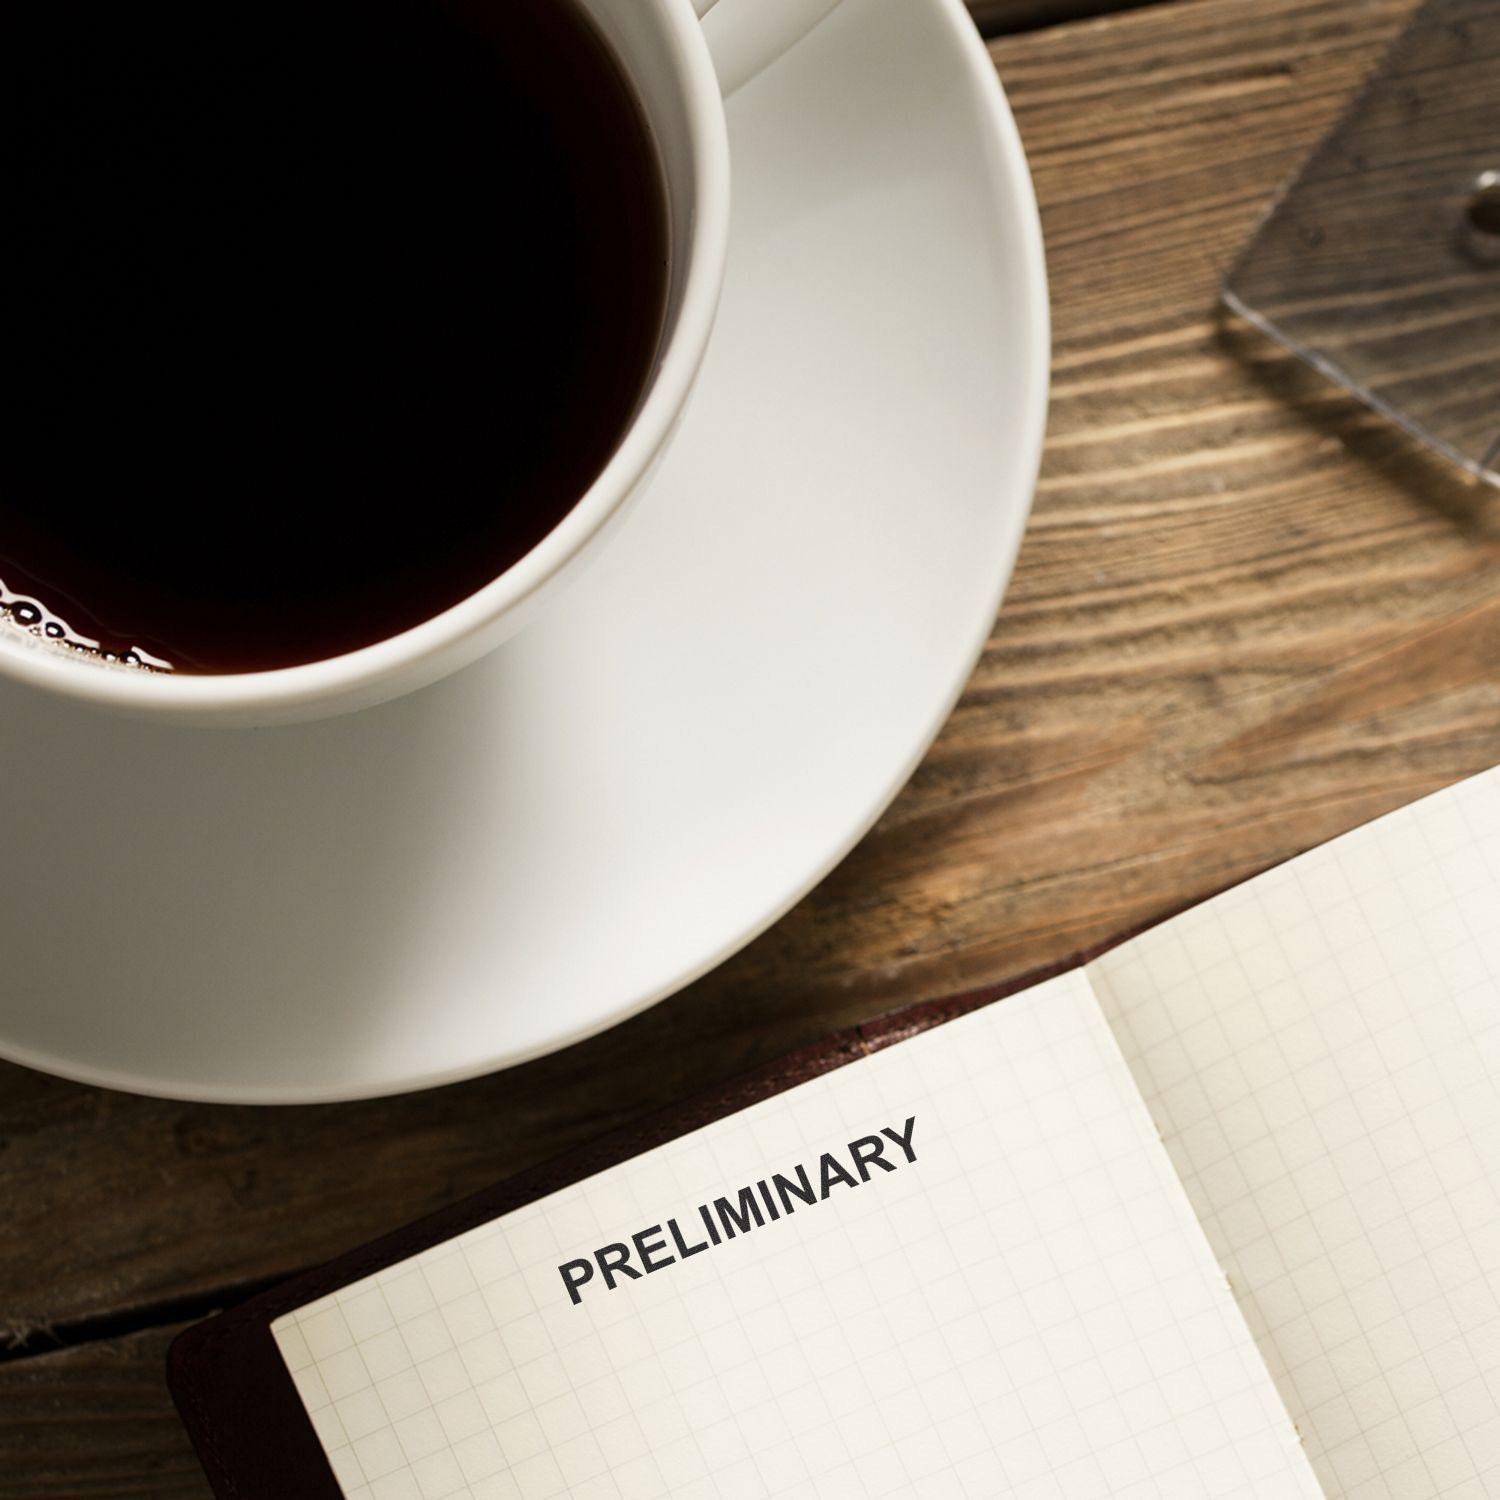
{"type": "Point", "coordinates": [96, 1423]}
{"type": "Point", "coordinates": [1247, 616]}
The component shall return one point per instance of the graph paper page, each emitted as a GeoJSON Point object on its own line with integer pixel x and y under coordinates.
{"type": "Point", "coordinates": [1320, 1048]}
{"type": "Point", "coordinates": [1017, 1302]}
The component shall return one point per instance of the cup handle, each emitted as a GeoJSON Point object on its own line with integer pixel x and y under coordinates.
{"type": "Point", "coordinates": [745, 36]}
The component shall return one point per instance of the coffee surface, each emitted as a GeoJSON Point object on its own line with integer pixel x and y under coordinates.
{"type": "Point", "coordinates": [318, 315]}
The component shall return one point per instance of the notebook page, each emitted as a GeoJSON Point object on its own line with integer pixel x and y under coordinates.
{"type": "Point", "coordinates": [1320, 1048]}
{"type": "Point", "coordinates": [1016, 1302]}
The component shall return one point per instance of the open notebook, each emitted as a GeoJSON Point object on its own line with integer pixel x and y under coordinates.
{"type": "Point", "coordinates": [1216, 1215]}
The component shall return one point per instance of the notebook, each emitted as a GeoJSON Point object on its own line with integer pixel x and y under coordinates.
{"type": "Point", "coordinates": [1215, 1215]}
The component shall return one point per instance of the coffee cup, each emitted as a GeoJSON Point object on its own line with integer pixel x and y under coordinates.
{"type": "Point", "coordinates": [681, 57]}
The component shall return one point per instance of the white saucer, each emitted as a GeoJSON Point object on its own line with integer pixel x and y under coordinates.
{"type": "Point", "coordinates": [639, 784]}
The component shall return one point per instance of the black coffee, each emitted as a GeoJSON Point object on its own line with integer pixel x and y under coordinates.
{"type": "Point", "coordinates": [318, 314]}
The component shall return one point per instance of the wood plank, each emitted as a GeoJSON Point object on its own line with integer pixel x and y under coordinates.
{"type": "Point", "coordinates": [95, 1423]}
{"type": "Point", "coordinates": [1246, 617]}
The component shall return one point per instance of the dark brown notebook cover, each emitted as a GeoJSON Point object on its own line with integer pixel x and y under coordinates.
{"type": "Point", "coordinates": [228, 1378]}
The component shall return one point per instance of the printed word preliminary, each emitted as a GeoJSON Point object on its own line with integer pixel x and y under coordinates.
{"type": "Point", "coordinates": [658, 1246]}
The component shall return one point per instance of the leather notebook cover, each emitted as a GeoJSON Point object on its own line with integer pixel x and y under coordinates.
{"type": "Point", "coordinates": [229, 1380]}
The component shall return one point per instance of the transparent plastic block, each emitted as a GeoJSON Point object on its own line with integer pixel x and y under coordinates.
{"type": "Point", "coordinates": [1380, 263]}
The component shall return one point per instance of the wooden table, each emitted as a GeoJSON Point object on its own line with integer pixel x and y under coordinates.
{"type": "Point", "coordinates": [1247, 616]}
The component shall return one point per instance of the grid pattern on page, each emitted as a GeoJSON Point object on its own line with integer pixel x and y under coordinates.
{"type": "Point", "coordinates": [1321, 1050]}
{"type": "Point", "coordinates": [1025, 1308]}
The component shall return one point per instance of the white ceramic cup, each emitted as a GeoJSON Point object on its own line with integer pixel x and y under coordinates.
{"type": "Point", "coordinates": [682, 65]}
